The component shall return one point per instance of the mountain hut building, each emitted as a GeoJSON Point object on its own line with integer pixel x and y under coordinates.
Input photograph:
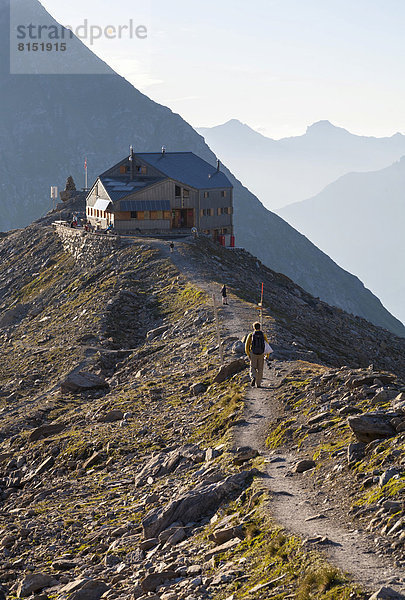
{"type": "Point", "coordinates": [163, 193]}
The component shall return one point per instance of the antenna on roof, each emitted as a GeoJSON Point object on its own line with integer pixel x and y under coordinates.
{"type": "Point", "coordinates": [163, 150]}
{"type": "Point", "coordinates": [218, 165]}
{"type": "Point", "coordinates": [131, 161]}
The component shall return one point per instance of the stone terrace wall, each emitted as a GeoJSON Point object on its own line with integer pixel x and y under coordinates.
{"type": "Point", "coordinates": [87, 248]}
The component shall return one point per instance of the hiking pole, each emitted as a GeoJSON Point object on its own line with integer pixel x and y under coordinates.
{"type": "Point", "coordinates": [221, 352]}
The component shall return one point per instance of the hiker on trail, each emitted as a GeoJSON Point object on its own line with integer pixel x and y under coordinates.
{"type": "Point", "coordinates": [224, 295]}
{"type": "Point", "coordinates": [171, 245]}
{"type": "Point", "coordinates": [254, 348]}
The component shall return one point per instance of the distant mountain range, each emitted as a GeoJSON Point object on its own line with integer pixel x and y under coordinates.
{"type": "Point", "coordinates": [49, 123]}
{"type": "Point", "coordinates": [291, 169]}
{"type": "Point", "coordinates": [360, 221]}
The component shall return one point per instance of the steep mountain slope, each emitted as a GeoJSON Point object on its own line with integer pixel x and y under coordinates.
{"type": "Point", "coordinates": [116, 439]}
{"type": "Point", "coordinates": [359, 220]}
{"type": "Point", "coordinates": [292, 169]}
{"type": "Point", "coordinates": [49, 123]}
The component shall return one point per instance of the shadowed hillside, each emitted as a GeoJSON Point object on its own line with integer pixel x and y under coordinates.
{"type": "Point", "coordinates": [69, 117]}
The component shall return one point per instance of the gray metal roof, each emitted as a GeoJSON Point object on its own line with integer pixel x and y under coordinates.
{"type": "Point", "coordinates": [187, 168]}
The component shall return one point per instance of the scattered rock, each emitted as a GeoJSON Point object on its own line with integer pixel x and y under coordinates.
{"type": "Point", "coordinates": [388, 475]}
{"type": "Point", "coordinates": [152, 581]}
{"type": "Point", "coordinates": [198, 388]}
{"type": "Point", "coordinates": [148, 544]}
{"type": "Point", "coordinates": [95, 458]}
{"type": "Point", "coordinates": [371, 426]}
{"type": "Point", "coordinates": [229, 545]}
{"type": "Point", "coordinates": [382, 396]}
{"type": "Point", "coordinates": [34, 583]}
{"type": "Point", "coordinates": [195, 504]}
{"type": "Point", "coordinates": [386, 593]}
{"type": "Point", "coordinates": [304, 465]}
{"type": "Point", "coordinates": [210, 454]}
{"type": "Point", "coordinates": [244, 454]}
{"type": "Point", "coordinates": [46, 431]}
{"type": "Point", "coordinates": [154, 333]}
{"type": "Point", "coordinates": [111, 416]}
{"type": "Point", "coordinates": [82, 381]}
{"type": "Point", "coordinates": [230, 369]}
{"type": "Point", "coordinates": [84, 589]}
{"type": "Point", "coordinates": [359, 381]}
{"type": "Point", "coordinates": [238, 348]}
{"type": "Point", "coordinates": [64, 565]}
{"type": "Point", "coordinates": [398, 403]}
{"type": "Point", "coordinates": [45, 466]}
{"type": "Point", "coordinates": [221, 536]}
{"type": "Point", "coordinates": [355, 452]}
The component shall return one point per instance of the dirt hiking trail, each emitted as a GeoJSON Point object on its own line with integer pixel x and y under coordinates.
{"type": "Point", "coordinates": [295, 503]}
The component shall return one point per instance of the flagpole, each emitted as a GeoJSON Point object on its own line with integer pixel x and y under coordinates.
{"type": "Point", "coordinates": [85, 173]}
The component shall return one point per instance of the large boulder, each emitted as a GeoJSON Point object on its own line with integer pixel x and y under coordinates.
{"type": "Point", "coordinates": [372, 426]}
{"type": "Point", "coordinates": [355, 452]}
{"type": "Point", "coordinates": [369, 379]}
{"type": "Point", "coordinates": [14, 315]}
{"type": "Point", "coordinates": [46, 431]}
{"type": "Point", "coordinates": [83, 589]}
{"type": "Point", "coordinates": [81, 381]}
{"type": "Point", "coordinates": [230, 369]}
{"type": "Point", "coordinates": [243, 454]}
{"type": "Point", "coordinates": [152, 581]}
{"type": "Point", "coordinates": [238, 348]}
{"type": "Point", "coordinates": [386, 593]}
{"type": "Point", "coordinates": [304, 465]}
{"type": "Point", "coordinates": [34, 583]}
{"type": "Point", "coordinates": [199, 502]}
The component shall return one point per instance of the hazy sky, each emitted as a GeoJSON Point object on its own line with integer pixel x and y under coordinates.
{"type": "Point", "coordinates": [277, 65]}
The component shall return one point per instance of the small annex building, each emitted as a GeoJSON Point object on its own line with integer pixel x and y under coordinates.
{"type": "Point", "coordinates": [163, 192]}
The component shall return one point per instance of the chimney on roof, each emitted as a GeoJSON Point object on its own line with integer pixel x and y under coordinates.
{"type": "Point", "coordinates": [218, 165]}
{"type": "Point", "coordinates": [163, 150]}
{"type": "Point", "coordinates": [131, 162]}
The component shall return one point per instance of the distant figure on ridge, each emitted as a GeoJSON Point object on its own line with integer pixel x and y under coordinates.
{"type": "Point", "coordinates": [255, 349]}
{"type": "Point", "coordinates": [224, 295]}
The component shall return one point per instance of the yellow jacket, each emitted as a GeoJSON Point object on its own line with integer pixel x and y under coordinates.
{"type": "Point", "coordinates": [248, 343]}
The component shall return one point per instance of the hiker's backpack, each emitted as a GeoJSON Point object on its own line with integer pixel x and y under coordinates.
{"type": "Point", "coordinates": [258, 342]}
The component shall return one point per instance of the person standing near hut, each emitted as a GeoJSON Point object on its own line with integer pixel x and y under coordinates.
{"type": "Point", "coordinates": [224, 295]}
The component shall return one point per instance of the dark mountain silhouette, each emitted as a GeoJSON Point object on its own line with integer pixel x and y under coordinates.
{"type": "Point", "coordinates": [49, 123]}
{"type": "Point", "coordinates": [293, 169]}
{"type": "Point", "coordinates": [359, 220]}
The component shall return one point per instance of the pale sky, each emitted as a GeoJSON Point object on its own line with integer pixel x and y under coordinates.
{"type": "Point", "coordinates": [277, 65]}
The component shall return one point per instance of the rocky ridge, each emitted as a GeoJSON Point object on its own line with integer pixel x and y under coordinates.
{"type": "Point", "coordinates": [109, 115]}
{"type": "Point", "coordinates": [118, 474]}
